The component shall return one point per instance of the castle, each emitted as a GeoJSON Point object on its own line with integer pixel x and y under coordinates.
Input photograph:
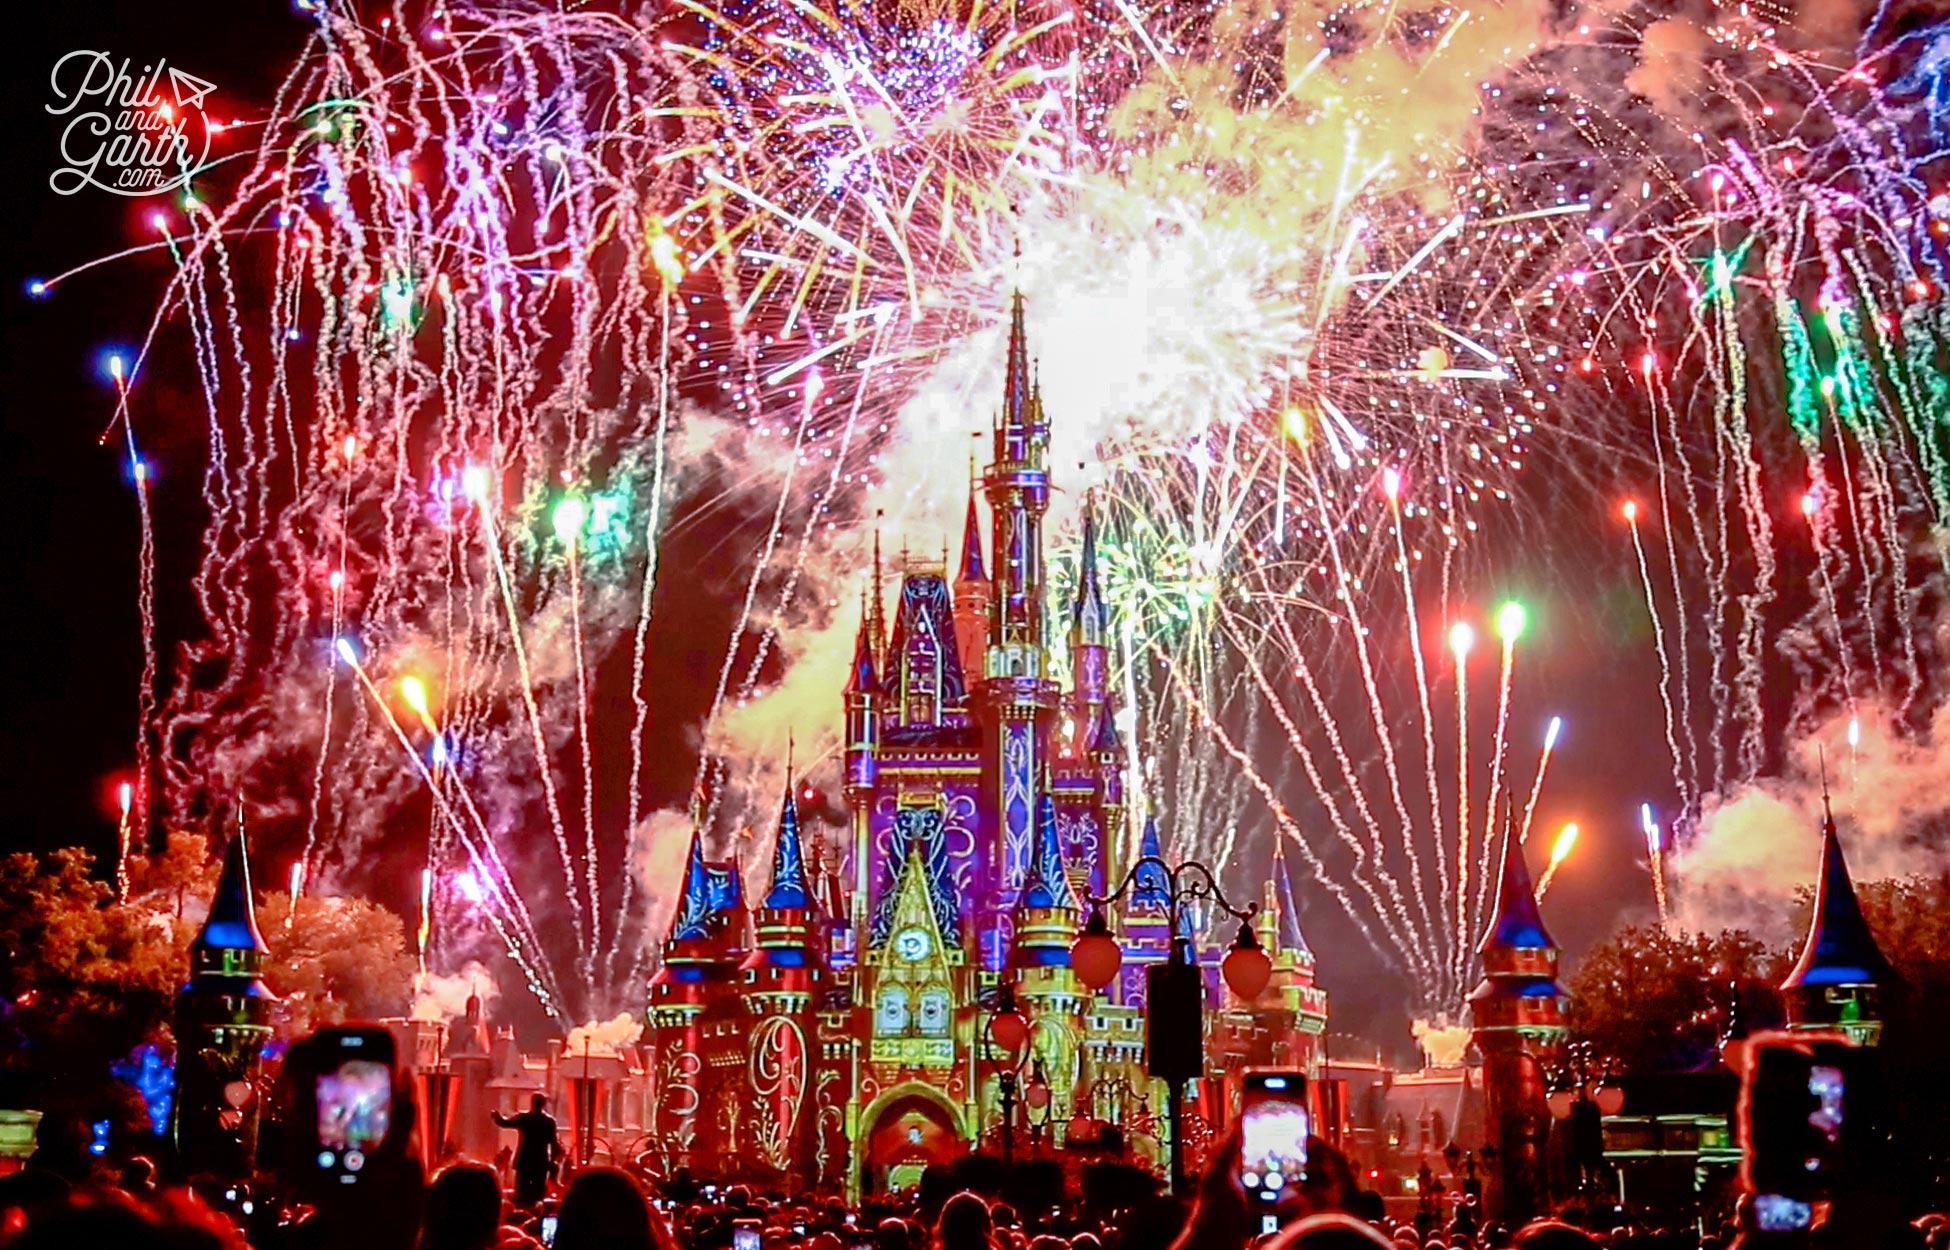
{"type": "Point", "coordinates": [837, 1034]}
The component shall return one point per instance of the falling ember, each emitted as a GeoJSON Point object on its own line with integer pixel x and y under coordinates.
{"type": "Point", "coordinates": [414, 691]}
{"type": "Point", "coordinates": [1655, 852]}
{"type": "Point", "coordinates": [426, 916]}
{"type": "Point", "coordinates": [296, 888]}
{"type": "Point", "coordinates": [125, 797]}
{"type": "Point", "coordinates": [1510, 621]}
{"type": "Point", "coordinates": [1567, 838]}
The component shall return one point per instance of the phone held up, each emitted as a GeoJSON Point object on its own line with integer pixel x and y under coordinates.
{"type": "Point", "coordinates": [1274, 1126]}
{"type": "Point", "coordinates": [744, 1234]}
{"type": "Point", "coordinates": [345, 1131]}
{"type": "Point", "coordinates": [1810, 1119]}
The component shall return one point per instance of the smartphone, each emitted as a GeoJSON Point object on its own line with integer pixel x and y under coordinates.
{"type": "Point", "coordinates": [1274, 1127]}
{"type": "Point", "coordinates": [548, 1230]}
{"type": "Point", "coordinates": [342, 1097]}
{"type": "Point", "coordinates": [744, 1235]}
{"type": "Point", "coordinates": [1778, 1213]}
{"type": "Point", "coordinates": [1807, 1110]}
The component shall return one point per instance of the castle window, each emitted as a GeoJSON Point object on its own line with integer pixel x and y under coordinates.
{"type": "Point", "coordinates": [891, 1011]}
{"type": "Point", "coordinates": [934, 1012]}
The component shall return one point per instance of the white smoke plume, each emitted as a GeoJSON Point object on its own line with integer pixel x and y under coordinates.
{"type": "Point", "coordinates": [1760, 842]}
{"type": "Point", "coordinates": [445, 997]}
{"type": "Point", "coordinates": [604, 1037]}
{"type": "Point", "coordinates": [1443, 1044]}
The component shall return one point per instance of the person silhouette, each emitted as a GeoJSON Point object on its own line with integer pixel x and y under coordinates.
{"type": "Point", "coordinates": [536, 1150]}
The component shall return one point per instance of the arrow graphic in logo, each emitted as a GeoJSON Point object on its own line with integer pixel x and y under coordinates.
{"type": "Point", "coordinates": [189, 89]}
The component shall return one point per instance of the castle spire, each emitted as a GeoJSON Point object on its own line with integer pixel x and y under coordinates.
{"type": "Point", "coordinates": [1516, 924]}
{"type": "Point", "coordinates": [876, 623]}
{"type": "Point", "coordinates": [788, 887]}
{"type": "Point", "coordinates": [229, 942]}
{"type": "Point", "coordinates": [1291, 938]}
{"type": "Point", "coordinates": [1149, 889]}
{"type": "Point", "coordinates": [1048, 885]}
{"type": "Point", "coordinates": [1104, 738]}
{"type": "Point", "coordinates": [863, 679]}
{"type": "Point", "coordinates": [972, 571]}
{"type": "Point", "coordinates": [1018, 389]}
{"type": "Point", "coordinates": [1089, 622]}
{"type": "Point", "coordinates": [1836, 981]}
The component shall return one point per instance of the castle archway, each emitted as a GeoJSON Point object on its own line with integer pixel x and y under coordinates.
{"type": "Point", "coordinates": [901, 1132]}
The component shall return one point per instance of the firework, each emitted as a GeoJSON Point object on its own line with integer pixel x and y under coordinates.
{"type": "Point", "coordinates": [499, 298]}
{"type": "Point", "coordinates": [1567, 838]}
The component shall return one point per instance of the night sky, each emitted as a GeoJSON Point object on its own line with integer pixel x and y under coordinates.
{"type": "Point", "coordinates": [72, 646]}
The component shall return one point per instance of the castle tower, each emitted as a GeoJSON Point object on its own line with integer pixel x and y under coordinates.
{"type": "Point", "coordinates": [1837, 982]}
{"type": "Point", "coordinates": [782, 977]}
{"type": "Point", "coordinates": [1089, 637]}
{"type": "Point", "coordinates": [1015, 697]}
{"type": "Point", "coordinates": [974, 596]}
{"type": "Point", "coordinates": [861, 760]}
{"type": "Point", "coordinates": [702, 951]}
{"type": "Point", "coordinates": [1517, 1023]}
{"type": "Point", "coordinates": [1045, 929]}
{"type": "Point", "coordinates": [222, 1022]}
{"type": "Point", "coordinates": [1105, 748]}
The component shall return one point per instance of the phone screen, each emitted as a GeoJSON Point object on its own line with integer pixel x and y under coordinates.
{"type": "Point", "coordinates": [548, 1230]}
{"type": "Point", "coordinates": [744, 1239]}
{"type": "Point", "coordinates": [1275, 1125]}
{"type": "Point", "coordinates": [1778, 1213]}
{"type": "Point", "coordinates": [1797, 1110]}
{"type": "Point", "coordinates": [352, 1102]}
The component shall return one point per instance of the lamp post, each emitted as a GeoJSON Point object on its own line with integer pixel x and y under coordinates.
{"type": "Point", "coordinates": [1008, 1028]}
{"type": "Point", "coordinates": [1585, 1094]}
{"type": "Point", "coordinates": [1174, 994]}
{"type": "Point", "coordinates": [1036, 1097]}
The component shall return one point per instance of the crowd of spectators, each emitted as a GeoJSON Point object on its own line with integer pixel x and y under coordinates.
{"type": "Point", "coordinates": [73, 1205]}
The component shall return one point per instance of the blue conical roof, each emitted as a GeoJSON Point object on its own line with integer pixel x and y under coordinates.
{"type": "Point", "coordinates": [1290, 936]}
{"type": "Point", "coordinates": [788, 861]}
{"type": "Point", "coordinates": [1841, 949]}
{"type": "Point", "coordinates": [1516, 924]}
{"type": "Point", "coordinates": [1104, 738]}
{"type": "Point", "coordinates": [1088, 615]}
{"type": "Point", "coordinates": [232, 923]}
{"type": "Point", "coordinates": [1149, 889]}
{"type": "Point", "coordinates": [1048, 885]}
{"type": "Point", "coordinates": [971, 545]}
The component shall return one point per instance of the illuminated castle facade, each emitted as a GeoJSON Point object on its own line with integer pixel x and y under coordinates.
{"type": "Point", "coordinates": [834, 1032]}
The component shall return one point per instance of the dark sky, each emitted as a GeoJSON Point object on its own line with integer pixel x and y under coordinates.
{"type": "Point", "coordinates": [72, 645]}
{"type": "Point", "coordinates": [72, 640]}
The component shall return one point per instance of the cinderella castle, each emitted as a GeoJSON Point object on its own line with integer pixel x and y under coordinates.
{"type": "Point", "coordinates": [837, 1031]}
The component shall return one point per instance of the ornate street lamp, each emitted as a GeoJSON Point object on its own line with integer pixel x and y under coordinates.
{"type": "Point", "coordinates": [1584, 1096]}
{"type": "Point", "coordinates": [1174, 996]}
{"type": "Point", "coordinates": [1008, 1028]}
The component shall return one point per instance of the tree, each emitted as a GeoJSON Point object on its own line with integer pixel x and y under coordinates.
{"type": "Point", "coordinates": [334, 959]}
{"type": "Point", "coordinates": [1658, 1002]}
{"type": "Point", "coordinates": [86, 978]}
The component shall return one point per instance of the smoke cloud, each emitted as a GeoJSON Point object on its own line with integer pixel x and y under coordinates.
{"type": "Point", "coordinates": [1759, 843]}
{"type": "Point", "coordinates": [604, 1037]}
{"type": "Point", "coordinates": [445, 997]}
